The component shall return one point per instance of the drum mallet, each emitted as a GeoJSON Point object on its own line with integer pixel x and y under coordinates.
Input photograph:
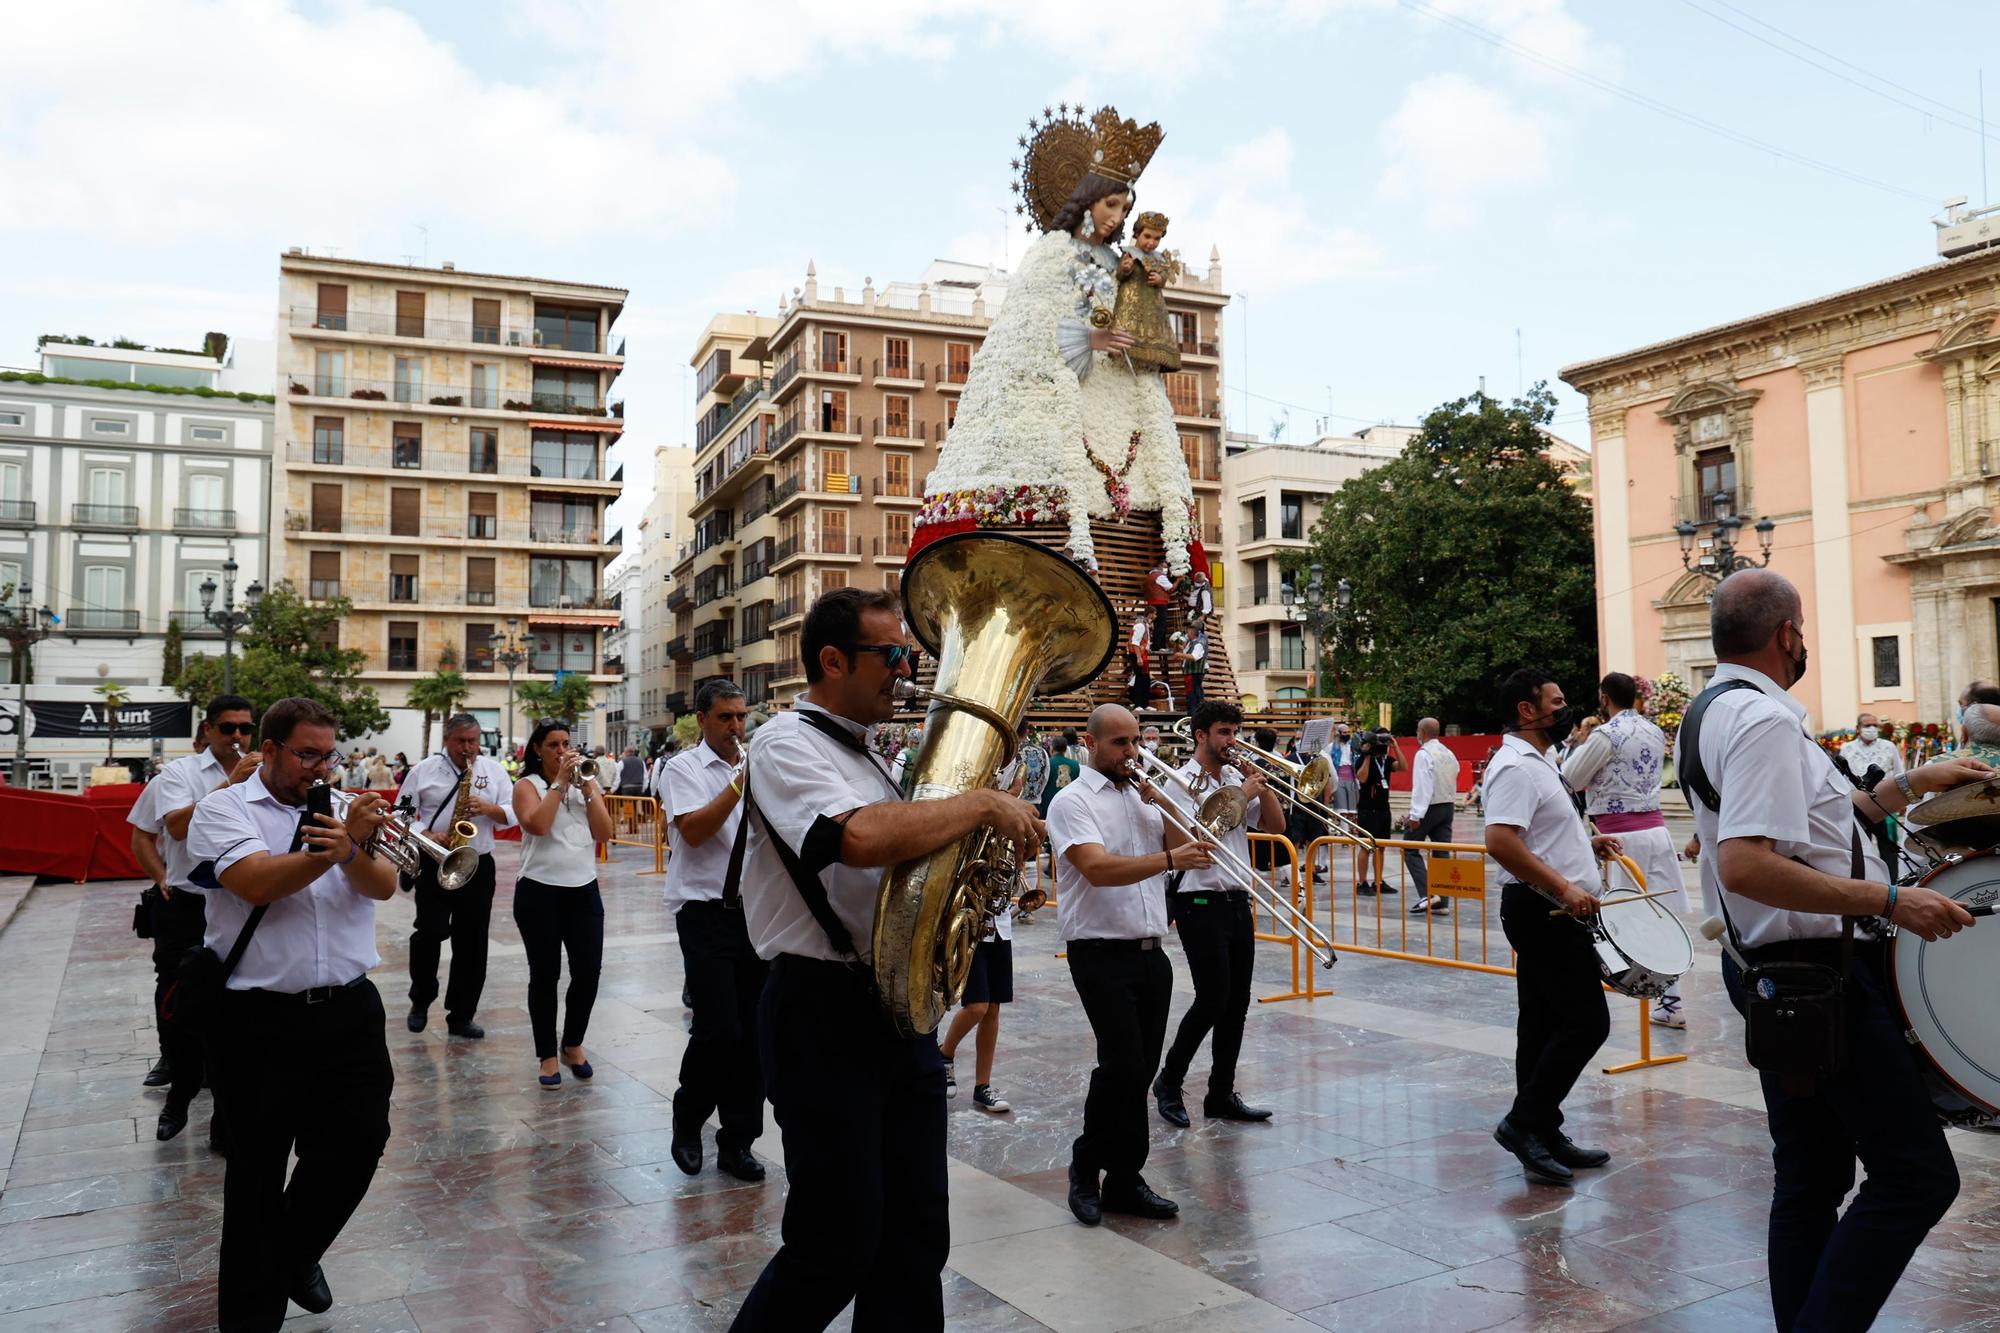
{"type": "Point", "coordinates": [1718, 930]}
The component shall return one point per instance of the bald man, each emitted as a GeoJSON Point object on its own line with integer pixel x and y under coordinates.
{"type": "Point", "coordinates": [1433, 799]}
{"type": "Point", "coordinates": [1114, 852]}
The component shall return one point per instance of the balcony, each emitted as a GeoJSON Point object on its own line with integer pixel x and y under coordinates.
{"type": "Point", "coordinates": [479, 596]}
{"type": "Point", "coordinates": [953, 377]}
{"type": "Point", "coordinates": [713, 644]}
{"type": "Point", "coordinates": [204, 520]}
{"type": "Point", "coordinates": [544, 600]}
{"type": "Point", "coordinates": [1197, 408]}
{"type": "Point", "coordinates": [17, 513]}
{"type": "Point", "coordinates": [709, 592]}
{"type": "Point", "coordinates": [892, 548]}
{"type": "Point", "coordinates": [524, 336]}
{"type": "Point", "coordinates": [787, 371]}
{"type": "Point", "coordinates": [838, 483]}
{"type": "Point", "coordinates": [907, 372]}
{"type": "Point", "coordinates": [792, 487]}
{"type": "Point", "coordinates": [1247, 533]}
{"type": "Point", "coordinates": [755, 509]}
{"type": "Point", "coordinates": [914, 431]}
{"type": "Point", "coordinates": [563, 535]}
{"type": "Point", "coordinates": [786, 608]}
{"type": "Point", "coordinates": [754, 570]}
{"type": "Point", "coordinates": [786, 549]}
{"type": "Point", "coordinates": [194, 623]}
{"type": "Point", "coordinates": [896, 488]}
{"type": "Point", "coordinates": [1200, 347]}
{"type": "Point", "coordinates": [1706, 508]}
{"type": "Point", "coordinates": [394, 394]}
{"type": "Point", "coordinates": [442, 528]}
{"type": "Point", "coordinates": [118, 518]}
{"type": "Point", "coordinates": [1211, 536]}
{"type": "Point", "coordinates": [678, 646]}
{"type": "Point", "coordinates": [100, 620]}
{"type": "Point", "coordinates": [679, 597]}
{"type": "Point", "coordinates": [319, 590]}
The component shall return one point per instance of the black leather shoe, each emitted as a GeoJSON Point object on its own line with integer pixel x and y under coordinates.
{"type": "Point", "coordinates": [1575, 1155]}
{"type": "Point", "coordinates": [1138, 1200]}
{"type": "Point", "coordinates": [310, 1293]}
{"type": "Point", "coordinates": [1083, 1198]}
{"type": "Point", "coordinates": [173, 1120]}
{"type": "Point", "coordinates": [686, 1153]}
{"type": "Point", "coordinates": [419, 1015]}
{"type": "Point", "coordinates": [739, 1163]}
{"type": "Point", "coordinates": [160, 1074]}
{"type": "Point", "coordinates": [1172, 1109]}
{"type": "Point", "coordinates": [1533, 1152]}
{"type": "Point", "coordinates": [470, 1031]}
{"type": "Point", "coordinates": [1232, 1108]}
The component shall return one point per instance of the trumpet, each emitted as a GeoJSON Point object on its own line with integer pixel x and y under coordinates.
{"type": "Point", "coordinates": [398, 838]}
{"type": "Point", "coordinates": [586, 771]}
{"type": "Point", "coordinates": [1298, 783]}
{"type": "Point", "coordinates": [1238, 871]}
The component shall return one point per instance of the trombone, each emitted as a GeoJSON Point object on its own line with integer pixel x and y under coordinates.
{"type": "Point", "coordinates": [1239, 872]}
{"type": "Point", "coordinates": [1298, 783]}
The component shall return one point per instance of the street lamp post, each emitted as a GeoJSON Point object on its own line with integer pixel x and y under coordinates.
{"type": "Point", "coordinates": [1309, 609]}
{"type": "Point", "coordinates": [1722, 558]}
{"type": "Point", "coordinates": [229, 620]}
{"type": "Point", "coordinates": [508, 653]}
{"type": "Point", "coordinates": [23, 625]}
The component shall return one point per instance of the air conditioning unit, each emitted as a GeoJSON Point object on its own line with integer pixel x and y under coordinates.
{"type": "Point", "coordinates": [565, 600]}
{"type": "Point", "coordinates": [514, 338]}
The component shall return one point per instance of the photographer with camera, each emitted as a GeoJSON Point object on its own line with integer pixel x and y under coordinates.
{"type": "Point", "coordinates": [1377, 758]}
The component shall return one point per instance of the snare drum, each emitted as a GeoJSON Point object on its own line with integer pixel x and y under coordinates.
{"type": "Point", "coordinates": [1945, 993]}
{"type": "Point", "coordinates": [1642, 947]}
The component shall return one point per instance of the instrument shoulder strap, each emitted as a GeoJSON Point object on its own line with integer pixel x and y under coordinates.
{"type": "Point", "coordinates": [1694, 777]}
{"type": "Point", "coordinates": [810, 888]}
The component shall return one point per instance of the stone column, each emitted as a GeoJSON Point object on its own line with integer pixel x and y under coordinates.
{"type": "Point", "coordinates": [1617, 615]}
{"type": "Point", "coordinates": [1832, 554]}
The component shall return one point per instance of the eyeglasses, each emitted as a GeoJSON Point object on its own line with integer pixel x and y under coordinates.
{"type": "Point", "coordinates": [234, 728]}
{"type": "Point", "coordinates": [893, 654]}
{"type": "Point", "coordinates": [310, 758]}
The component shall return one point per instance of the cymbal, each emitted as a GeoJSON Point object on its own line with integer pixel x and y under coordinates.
{"type": "Point", "coordinates": [1964, 836]}
{"type": "Point", "coordinates": [1970, 801]}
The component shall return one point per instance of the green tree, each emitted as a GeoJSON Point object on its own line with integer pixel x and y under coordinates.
{"type": "Point", "coordinates": [291, 647]}
{"type": "Point", "coordinates": [1468, 556]}
{"type": "Point", "coordinates": [170, 654]}
{"type": "Point", "coordinates": [115, 697]}
{"type": "Point", "coordinates": [437, 693]}
{"type": "Point", "coordinates": [568, 699]}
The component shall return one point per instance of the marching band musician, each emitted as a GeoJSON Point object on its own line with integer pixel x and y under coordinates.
{"type": "Point", "coordinates": [861, 1107]}
{"type": "Point", "coordinates": [300, 1057]}
{"type": "Point", "coordinates": [460, 915]}
{"type": "Point", "coordinates": [1114, 851]}
{"type": "Point", "coordinates": [1785, 838]}
{"type": "Point", "coordinates": [1548, 855]}
{"type": "Point", "coordinates": [719, 1070]}
{"type": "Point", "coordinates": [1212, 913]}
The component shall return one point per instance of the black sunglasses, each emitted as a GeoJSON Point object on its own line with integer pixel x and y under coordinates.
{"type": "Point", "coordinates": [893, 654]}
{"type": "Point", "coordinates": [234, 728]}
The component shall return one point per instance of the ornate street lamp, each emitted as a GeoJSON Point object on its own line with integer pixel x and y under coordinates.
{"type": "Point", "coordinates": [229, 620]}
{"type": "Point", "coordinates": [1309, 609]}
{"type": "Point", "coordinates": [508, 652]}
{"type": "Point", "coordinates": [1722, 559]}
{"type": "Point", "coordinates": [23, 625]}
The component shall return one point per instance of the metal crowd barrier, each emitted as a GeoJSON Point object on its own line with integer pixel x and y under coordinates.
{"type": "Point", "coordinates": [638, 817]}
{"type": "Point", "coordinates": [1284, 882]}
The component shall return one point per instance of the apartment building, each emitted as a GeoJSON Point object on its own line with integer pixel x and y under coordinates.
{"type": "Point", "coordinates": [621, 645]}
{"type": "Point", "coordinates": [815, 432]}
{"type": "Point", "coordinates": [129, 476]}
{"type": "Point", "coordinates": [659, 532]}
{"type": "Point", "coordinates": [443, 461]}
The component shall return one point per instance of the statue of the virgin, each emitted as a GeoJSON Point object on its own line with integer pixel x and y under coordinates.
{"type": "Point", "coordinates": [1056, 424]}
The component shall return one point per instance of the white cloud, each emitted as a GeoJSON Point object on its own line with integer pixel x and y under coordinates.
{"type": "Point", "coordinates": [1453, 142]}
{"type": "Point", "coordinates": [1545, 27]}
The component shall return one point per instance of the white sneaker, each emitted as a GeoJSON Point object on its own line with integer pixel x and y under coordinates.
{"type": "Point", "coordinates": [951, 1077]}
{"type": "Point", "coordinates": [1667, 1013]}
{"type": "Point", "coordinates": [986, 1099]}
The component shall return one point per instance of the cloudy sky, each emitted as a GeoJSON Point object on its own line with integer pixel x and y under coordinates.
{"type": "Point", "coordinates": [1396, 186]}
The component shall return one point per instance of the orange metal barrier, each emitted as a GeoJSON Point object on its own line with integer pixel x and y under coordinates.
{"type": "Point", "coordinates": [638, 816]}
{"type": "Point", "coordinates": [1284, 884]}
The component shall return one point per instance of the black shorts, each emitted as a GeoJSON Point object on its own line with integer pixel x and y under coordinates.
{"type": "Point", "coordinates": [1375, 821]}
{"type": "Point", "coordinates": [991, 980]}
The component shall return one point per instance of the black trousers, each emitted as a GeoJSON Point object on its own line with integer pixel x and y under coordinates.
{"type": "Point", "coordinates": [1126, 992]}
{"type": "Point", "coordinates": [1434, 826]}
{"type": "Point", "coordinates": [553, 919]}
{"type": "Point", "coordinates": [1563, 1018]}
{"type": "Point", "coordinates": [1216, 931]}
{"type": "Point", "coordinates": [719, 1070]}
{"type": "Point", "coordinates": [1161, 628]}
{"type": "Point", "coordinates": [1831, 1270]}
{"type": "Point", "coordinates": [178, 923]}
{"type": "Point", "coordinates": [861, 1110]}
{"type": "Point", "coordinates": [310, 1078]}
{"type": "Point", "coordinates": [461, 916]}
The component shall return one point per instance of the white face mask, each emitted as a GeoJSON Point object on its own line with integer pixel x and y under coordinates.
{"type": "Point", "coordinates": [1870, 733]}
{"type": "Point", "coordinates": [1152, 746]}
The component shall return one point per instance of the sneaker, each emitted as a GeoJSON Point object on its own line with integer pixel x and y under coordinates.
{"type": "Point", "coordinates": [1386, 887]}
{"type": "Point", "coordinates": [1667, 1013]}
{"type": "Point", "coordinates": [985, 1099]}
{"type": "Point", "coordinates": [1364, 888]}
{"type": "Point", "coordinates": [950, 1076]}
{"type": "Point", "coordinates": [1435, 903]}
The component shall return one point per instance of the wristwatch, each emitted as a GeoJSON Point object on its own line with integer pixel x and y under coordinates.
{"type": "Point", "coordinates": [1903, 786]}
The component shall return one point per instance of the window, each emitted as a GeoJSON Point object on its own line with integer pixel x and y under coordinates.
{"type": "Point", "coordinates": [556, 386]}
{"type": "Point", "coordinates": [957, 362]}
{"type": "Point", "coordinates": [833, 531]}
{"type": "Point", "coordinates": [208, 434]}
{"type": "Point", "coordinates": [12, 419]}
{"type": "Point", "coordinates": [833, 470]}
{"type": "Point", "coordinates": [896, 358]}
{"type": "Point", "coordinates": [571, 328]}
{"type": "Point", "coordinates": [555, 518]}
{"type": "Point", "coordinates": [330, 374]}
{"type": "Point", "coordinates": [407, 449]}
{"type": "Point", "coordinates": [484, 455]}
{"type": "Point", "coordinates": [832, 350]}
{"type": "Point", "coordinates": [10, 481]}
{"type": "Point", "coordinates": [1260, 642]}
{"type": "Point", "coordinates": [1291, 516]}
{"type": "Point", "coordinates": [1185, 329]}
{"type": "Point", "coordinates": [103, 591]}
{"type": "Point", "coordinates": [107, 486]}
{"type": "Point", "coordinates": [553, 581]}
{"type": "Point", "coordinates": [10, 578]}
{"type": "Point", "coordinates": [402, 578]}
{"type": "Point", "coordinates": [564, 453]}
{"type": "Point", "coordinates": [479, 580]}
{"type": "Point", "coordinates": [329, 440]}
{"type": "Point", "coordinates": [892, 581]}
{"type": "Point", "coordinates": [485, 384]}
{"type": "Point", "coordinates": [402, 645]}
{"type": "Point", "coordinates": [895, 474]}
{"type": "Point", "coordinates": [1714, 474]}
{"type": "Point", "coordinates": [191, 581]}
{"type": "Point", "coordinates": [564, 650]}
{"type": "Point", "coordinates": [1888, 654]}
{"type": "Point", "coordinates": [482, 520]}
{"type": "Point", "coordinates": [831, 579]}
{"type": "Point", "coordinates": [896, 416]}
{"type": "Point", "coordinates": [1191, 454]}
{"type": "Point", "coordinates": [1184, 392]}
{"type": "Point", "coordinates": [405, 505]}
{"type": "Point", "coordinates": [103, 427]}
{"type": "Point", "coordinates": [1260, 582]}
{"type": "Point", "coordinates": [409, 379]}
{"type": "Point", "coordinates": [409, 314]}
{"type": "Point", "coordinates": [478, 652]}
{"type": "Point", "coordinates": [833, 410]}
{"type": "Point", "coordinates": [205, 492]}
{"type": "Point", "coordinates": [711, 372]}
{"type": "Point", "coordinates": [950, 413]}
{"type": "Point", "coordinates": [895, 534]}
{"type": "Point", "coordinates": [332, 306]}
{"type": "Point", "coordinates": [1292, 648]}
{"type": "Point", "coordinates": [325, 507]}
{"type": "Point", "coordinates": [485, 321]}
{"type": "Point", "coordinates": [1255, 530]}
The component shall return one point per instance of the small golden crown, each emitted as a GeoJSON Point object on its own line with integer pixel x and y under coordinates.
{"type": "Point", "coordinates": [1065, 147]}
{"type": "Point", "coordinates": [1150, 222]}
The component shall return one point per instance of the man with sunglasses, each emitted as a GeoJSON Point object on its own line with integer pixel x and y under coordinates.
{"type": "Point", "coordinates": [460, 915]}
{"type": "Point", "coordinates": [861, 1107]}
{"type": "Point", "coordinates": [159, 838]}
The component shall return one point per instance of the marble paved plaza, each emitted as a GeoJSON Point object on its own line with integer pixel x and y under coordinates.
{"type": "Point", "coordinates": [1375, 1200]}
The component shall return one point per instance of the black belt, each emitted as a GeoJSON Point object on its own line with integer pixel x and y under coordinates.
{"type": "Point", "coordinates": [1825, 951]}
{"type": "Point", "coordinates": [1112, 946]}
{"type": "Point", "coordinates": [310, 995]}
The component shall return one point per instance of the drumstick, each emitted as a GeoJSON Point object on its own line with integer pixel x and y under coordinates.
{"type": "Point", "coordinates": [1633, 898]}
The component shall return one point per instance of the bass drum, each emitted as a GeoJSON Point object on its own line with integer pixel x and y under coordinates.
{"type": "Point", "coordinates": [1945, 993]}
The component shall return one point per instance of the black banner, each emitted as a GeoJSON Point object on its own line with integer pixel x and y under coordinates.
{"type": "Point", "coordinates": [58, 721]}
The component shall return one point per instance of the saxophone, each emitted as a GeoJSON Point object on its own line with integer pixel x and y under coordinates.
{"type": "Point", "coordinates": [462, 828]}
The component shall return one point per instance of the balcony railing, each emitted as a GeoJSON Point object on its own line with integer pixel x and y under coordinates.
{"type": "Point", "coordinates": [563, 535]}
{"type": "Point", "coordinates": [754, 570]}
{"type": "Point", "coordinates": [103, 516]}
{"type": "Point", "coordinates": [677, 646]}
{"type": "Point", "coordinates": [706, 593]}
{"type": "Point", "coordinates": [542, 599]}
{"type": "Point", "coordinates": [785, 608]}
{"type": "Point", "coordinates": [1189, 406]}
{"type": "Point", "coordinates": [712, 645]}
{"type": "Point", "coordinates": [833, 544]}
{"type": "Point", "coordinates": [786, 489]}
{"type": "Point", "coordinates": [899, 370]}
{"type": "Point", "coordinates": [1211, 536]}
{"type": "Point", "coordinates": [193, 622]}
{"type": "Point", "coordinates": [1703, 508]}
{"type": "Point", "coordinates": [393, 394]}
{"type": "Point", "coordinates": [437, 458]}
{"type": "Point", "coordinates": [1250, 532]}
{"type": "Point", "coordinates": [897, 547]}
{"type": "Point", "coordinates": [902, 430]}
{"type": "Point", "coordinates": [787, 371]}
{"type": "Point", "coordinates": [787, 548]}
{"type": "Point", "coordinates": [950, 375]}
{"type": "Point", "coordinates": [451, 330]}
{"type": "Point", "coordinates": [479, 596]}
{"type": "Point", "coordinates": [100, 620]}
{"type": "Point", "coordinates": [755, 509]}
{"type": "Point", "coordinates": [319, 590]}
{"type": "Point", "coordinates": [17, 513]}
{"type": "Point", "coordinates": [895, 488]}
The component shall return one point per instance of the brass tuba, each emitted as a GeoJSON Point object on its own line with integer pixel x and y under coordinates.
{"type": "Point", "coordinates": [1006, 619]}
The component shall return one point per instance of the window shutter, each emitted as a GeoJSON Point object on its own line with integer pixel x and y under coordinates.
{"type": "Point", "coordinates": [325, 507]}
{"type": "Point", "coordinates": [404, 505]}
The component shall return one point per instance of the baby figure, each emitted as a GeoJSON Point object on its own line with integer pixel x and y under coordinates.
{"type": "Point", "coordinates": [1141, 310]}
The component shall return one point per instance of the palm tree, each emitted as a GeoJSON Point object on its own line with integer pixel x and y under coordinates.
{"type": "Point", "coordinates": [115, 697]}
{"type": "Point", "coordinates": [437, 693]}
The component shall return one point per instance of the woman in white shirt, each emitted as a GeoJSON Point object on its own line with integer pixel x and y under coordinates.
{"type": "Point", "coordinates": [556, 903]}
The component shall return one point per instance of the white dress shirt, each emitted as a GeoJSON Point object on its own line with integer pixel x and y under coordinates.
{"type": "Point", "coordinates": [1861, 755]}
{"type": "Point", "coordinates": [433, 782]}
{"type": "Point", "coordinates": [694, 778]}
{"type": "Point", "coordinates": [1433, 777]}
{"type": "Point", "coordinates": [1775, 782]}
{"type": "Point", "coordinates": [323, 935]}
{"type": "Point", "coordinates": [566, 856]}
{"type": "Point", "coordinates": [1524, 790]}
{"type": "Point", "coordinates": [182, 783]}
{"type": "Point", "coordinates": [1619, 766]}
{"type": "Point", "coordinates": [799, 777]}
{"type": "Point", "coordinates": [1214, 879]}
{"type": "Point", "coordinates": [1094, 809]}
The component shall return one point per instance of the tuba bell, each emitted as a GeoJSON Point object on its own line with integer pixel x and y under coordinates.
{"type": "Point", "coordinates": [1005, 619]}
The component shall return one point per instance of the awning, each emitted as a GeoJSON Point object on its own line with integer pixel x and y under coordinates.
{"type": "Point", "coordinates": [570, 362]}
{"type": "Point", "coordinates": [611, 427]}
{"type": "Point", "coordinates": [608, 619]}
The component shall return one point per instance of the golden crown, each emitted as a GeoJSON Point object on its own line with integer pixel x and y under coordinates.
{"type": "Point", "coordinates": [1063, 147]}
